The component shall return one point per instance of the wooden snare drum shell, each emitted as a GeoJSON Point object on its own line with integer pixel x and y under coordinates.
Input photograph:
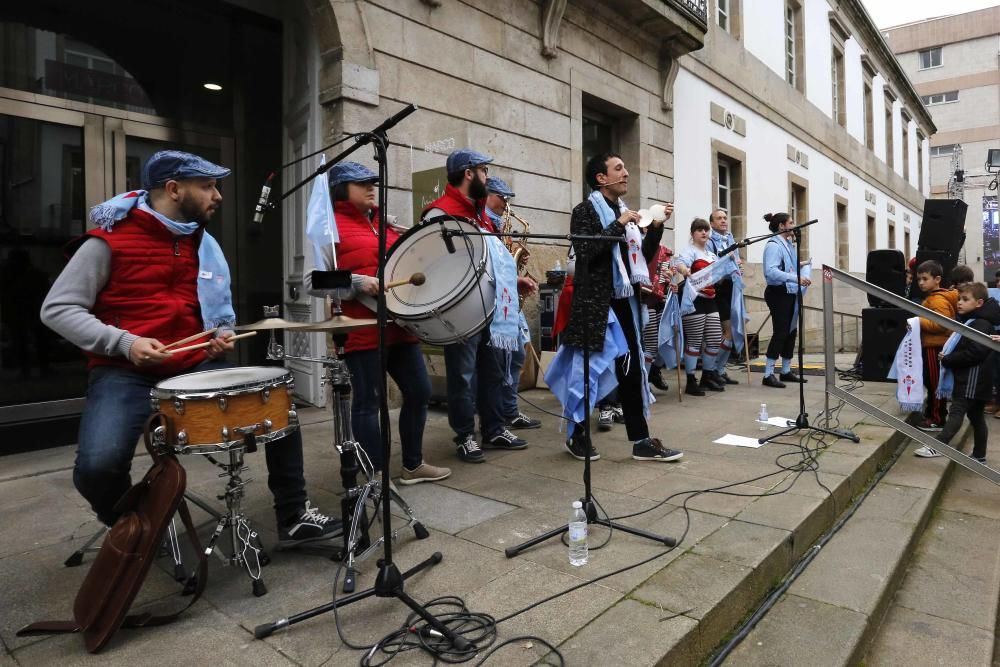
{"type": "Point", "coordinates": [201, 426]}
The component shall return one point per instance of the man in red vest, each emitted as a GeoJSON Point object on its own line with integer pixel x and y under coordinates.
{"type": "Point", "coordinates": [474, 368]}
{"type": "Point", "coordinates": [149, 272]}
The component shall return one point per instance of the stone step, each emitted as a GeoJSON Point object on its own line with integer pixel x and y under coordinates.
{"type": "Point", "coordinates": [831, 613]}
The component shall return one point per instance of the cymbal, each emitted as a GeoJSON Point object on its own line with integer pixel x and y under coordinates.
{"type": "Point", "coordinates": [268, 323]}
{"type": "Point", "coordinates": [337, 323]}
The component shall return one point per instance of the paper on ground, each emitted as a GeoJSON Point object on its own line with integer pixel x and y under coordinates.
{"type": "Point", "coordinates": [737, 441]}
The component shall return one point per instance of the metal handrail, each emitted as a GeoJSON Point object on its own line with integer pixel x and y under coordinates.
{"type": "Point", "coordinates": [829, 274]}
{"type": "Point", "coordinates": [841, 313]}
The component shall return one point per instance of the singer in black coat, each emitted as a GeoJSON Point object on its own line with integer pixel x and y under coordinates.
{"type": "Point", "coordinates": [593, 281]}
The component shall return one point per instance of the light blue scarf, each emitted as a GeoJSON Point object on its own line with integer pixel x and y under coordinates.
{"type": "Point", "coordinates": [214, 282]}
{"type": "Point", "coordinates": [716, 272]}
{"type": "Point", "coordinates": [565, 374]}
{"type": "Point", "coordinates": [505, 329]}
{"type": "Point", "coordinates": [946, 381]}
{"type": "Point", "coordinates": [670, 332]}
{"type": "Point", "coordinates": [637, 263]}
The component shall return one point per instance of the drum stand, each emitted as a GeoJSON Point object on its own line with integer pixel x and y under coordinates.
{"type": "Point", "coordinates": [357, 543]}
{"type": "Point", "coordinates": [248, 552]}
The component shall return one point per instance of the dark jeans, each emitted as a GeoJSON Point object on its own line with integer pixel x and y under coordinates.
{"type": "Point", "coordinates": [475, 373]}
{"type": "Point", "coordinates": [973, 409]}
{"type": "Point", "coordinates": [782, 307]}
{"type": "Point", "coordinates": [405, 363]}
{"type": "Point", "coordinates": [508, 401]}
{"type": "Point", "coordinates": [629, 371]}
{"type": "Point", "coordinates": [116, 409]}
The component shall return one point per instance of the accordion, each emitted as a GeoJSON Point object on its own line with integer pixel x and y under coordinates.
{"type": "Point", "coordinates": [656, 294]}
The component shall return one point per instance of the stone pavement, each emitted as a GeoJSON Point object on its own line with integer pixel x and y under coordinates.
{"type": "Point", "coordinates": [677, 607]}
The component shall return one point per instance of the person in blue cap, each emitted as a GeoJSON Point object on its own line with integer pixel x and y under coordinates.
{"type": "Point", "coordinates": [352, 189]}
{"type": "Point", "coordinates": [146, 274]}
{"type": "Point", "coordinates": [498, 196]}
{"type": "Point", "coordinates": [476, 366]}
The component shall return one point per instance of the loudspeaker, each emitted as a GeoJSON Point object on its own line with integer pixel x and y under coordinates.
{"type": "Point", "coordinates": [943, 225]}
{"type": "Point", "coordinates": [946, 259]}
{"type": "Point", "coordinates": [886, 269]}
{"type": "Point", "coordinates": [882, 330]}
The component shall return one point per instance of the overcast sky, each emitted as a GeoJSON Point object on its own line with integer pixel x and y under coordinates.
{"type": "Point", "coordinates": [888, 13]}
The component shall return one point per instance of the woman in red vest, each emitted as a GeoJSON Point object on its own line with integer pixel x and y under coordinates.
{"type": "Point", "coordinates": [352, 188]}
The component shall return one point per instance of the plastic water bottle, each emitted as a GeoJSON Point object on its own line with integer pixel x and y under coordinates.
{"type": "Point", "coordinates": [578, 535]}
{"type": "Point", "coordinates": [558, 266]}
{"type": "Point", "coordinates": [762, 417]}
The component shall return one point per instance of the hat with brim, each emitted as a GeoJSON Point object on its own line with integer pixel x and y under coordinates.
{"type": "Point", "coordinates": [465, 158]}
{"type": "Point", "coordinates": [499, 187]}
{"type": "Point", "coordinates": [166, 166]}
{"type": "Point", "coordinates": [351, 172]}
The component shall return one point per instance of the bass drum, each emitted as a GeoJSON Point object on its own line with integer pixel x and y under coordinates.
{"type": "Point", "coordinates": [457, 298]}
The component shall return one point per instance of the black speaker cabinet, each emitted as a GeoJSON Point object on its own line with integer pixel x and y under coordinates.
{"type": "Point", "coordinates": [886, 269]}
{"type": "Point", "coordinates": [945, 258]}
{"type": "Point", "coordinates": [943, 225]}
{"type": "Point", "coordinates": [882, 330]}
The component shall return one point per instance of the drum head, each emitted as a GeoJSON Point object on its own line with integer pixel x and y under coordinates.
{"type": "Point", "coordinates": [224, 379]}
{"type": "Point", "coordinates": [448, 275]}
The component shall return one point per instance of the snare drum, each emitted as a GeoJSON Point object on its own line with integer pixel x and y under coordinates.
{"type": "Point", "coordinates": [212, 411]}
{"type": "Point", "coordinates": [457, 298]}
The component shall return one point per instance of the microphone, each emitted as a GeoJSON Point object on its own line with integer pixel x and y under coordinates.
{"type": "Point", "coordinates": [448, 242]}
{"type": "Point", "coordinates": [262, 205]}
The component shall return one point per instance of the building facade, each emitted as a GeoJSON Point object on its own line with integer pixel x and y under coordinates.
{"type": "Point", "coordinates": [801, 107]}
{"type": "Point", "coordinates": [953, 64]}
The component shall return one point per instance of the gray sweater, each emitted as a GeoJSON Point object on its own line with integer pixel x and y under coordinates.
{"type": "Point", "coordinates": [67, 307]}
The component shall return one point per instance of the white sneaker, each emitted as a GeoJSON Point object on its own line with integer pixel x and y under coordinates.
{"type": "Point", "coordinates": [927, 453]}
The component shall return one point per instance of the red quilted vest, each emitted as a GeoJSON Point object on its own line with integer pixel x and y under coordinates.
{"type": "Point", "coordinates": [152, 290]}
{"type": "Point", "coordinates": [357, 252]}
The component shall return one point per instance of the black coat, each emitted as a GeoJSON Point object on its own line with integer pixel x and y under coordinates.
{"type": "Point", "coordinates": [971, 362]}
{"type": "Point", "coordinates": [593, 280]}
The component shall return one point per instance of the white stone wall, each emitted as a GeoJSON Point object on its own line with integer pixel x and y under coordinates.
{"type": "Point", "coordinates": [764, 32]}
{"type": "Point", "coordinates": [766, 169]}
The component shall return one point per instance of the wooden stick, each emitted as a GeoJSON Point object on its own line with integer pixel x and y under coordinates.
{"type": "Point", "coordinates": [677, 346]}
{"type": "Point", "coordinates": [746, 348]}
{"type": "Point", "coordinates": [206, 344]}
{"type": "Point", "coordinates": [182, 341]}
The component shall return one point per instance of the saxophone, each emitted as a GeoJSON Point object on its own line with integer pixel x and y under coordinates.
{"type": "Point", "coordinates": [519, 249]}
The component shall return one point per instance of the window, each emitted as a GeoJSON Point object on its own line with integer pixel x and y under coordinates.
{"type": "Point", "coordinates": [889, 157]}
{"type": "Point", "coordinates": [906, 146]}
{"type": "Point", "coordinates": [906, 243]}
{"type": "Point", "coordinates": [839, 92]}
{"type": "Point", "coordinates": [942, 151]}
{"type": "Point", "coordinates": [843, 246]}
{"type": "Point", "coordinates": [798, 208]}
{"type": "Point", "coordinates": [891, 243]}
{"type": "Point", "coordinates": [794, 46]}
{"type": "Point", "coordinates": [728, 185]}
{"type": "Point", "coordinates": [722, 17]}
{"type": "Point", "coordinates": [920, 162]}
{"type": "Point", "coordinates": [930, 58]}
{"type": "Point", "coordinates": [940, 98]}
{"type": "Point", "coordinates": [871, 231]}
{"type": "Point", "coordinates": [868, 73]}
{"type": "Point", "coordinates": [598, 137]}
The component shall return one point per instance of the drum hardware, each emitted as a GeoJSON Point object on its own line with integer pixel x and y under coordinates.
{"type": "Point", "coordinates": [338, 323]}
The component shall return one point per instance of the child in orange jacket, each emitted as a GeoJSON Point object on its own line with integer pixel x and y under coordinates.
{"type": "Point", "coordinates": [943, 301]}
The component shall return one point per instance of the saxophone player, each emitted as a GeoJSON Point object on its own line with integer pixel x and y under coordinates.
{"type": "Point", "coordinates": [498, 196]}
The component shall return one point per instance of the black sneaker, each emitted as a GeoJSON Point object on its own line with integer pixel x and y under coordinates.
{"type": "Point", "coordinates": [524, 421]}
{"type": "Point", "coordinates": [725, 378]}
{"type": "Point", "coordinates": [651, 449]}
{"type": "Point", "coordinates": [981, 459]}
{"type": "Point", "coordinates": [771, 381]}
{"type": "Point", "coordinates": [311, 526]}
{"type": "Point", "coordinates": [578, 450]}
{"type": "Point", "coordinates": [709, 382]}
{"type": "Point", "coordinates": [505, 440]}
{"type": "Point", "coordinates": [468, 449]}
{"type": "Point", "coordinates": [790, 376]}
{"type": "Point", "coordinates": [605, 418]}
{"type": "Point", "coordinates": [656, 378]}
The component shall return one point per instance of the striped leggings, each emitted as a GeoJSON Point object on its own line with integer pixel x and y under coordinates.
{"type": "Point", "coordinates": [702, 332]}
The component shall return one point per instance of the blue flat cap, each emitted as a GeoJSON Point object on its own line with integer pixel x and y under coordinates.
{"type": "Point", "coordinates": [466, 158]}
{"type": "Point", "coordinates": [499, 187]}
{"type": "Point", "coordinates": [176, 166]}
{"type": "Point", "coordinates": [351, 172]}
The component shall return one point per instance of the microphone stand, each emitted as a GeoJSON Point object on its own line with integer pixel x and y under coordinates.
{"type": "Point", "coordinates": [802, 420]}
{"type": "Point", "coordinates": [389, 580]}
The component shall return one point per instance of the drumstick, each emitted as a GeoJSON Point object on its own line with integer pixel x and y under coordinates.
{"type": "Point", "coordinates": [182, 341]}
{"type": "Point", "coordinates": [203, 345]}
{"type": "Point", "coordinates": [415, 279]}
